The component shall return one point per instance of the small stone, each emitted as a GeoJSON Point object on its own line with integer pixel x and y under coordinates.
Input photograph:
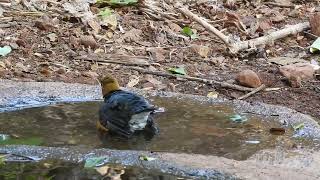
{"type": "Point", "coordinates": [248, 78]}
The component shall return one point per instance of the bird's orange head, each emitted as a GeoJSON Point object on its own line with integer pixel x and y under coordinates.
{"type": "Point", "coordinates": [109, 84]}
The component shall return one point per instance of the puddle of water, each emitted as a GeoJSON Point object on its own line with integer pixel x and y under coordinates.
{"type": "Point", "coordinates": [186, 126]}
{"type": "Point", "coordinates": [58, 170]}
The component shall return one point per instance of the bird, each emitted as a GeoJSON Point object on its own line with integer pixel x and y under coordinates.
{"type": "Point", "coordinates": [124, 112]}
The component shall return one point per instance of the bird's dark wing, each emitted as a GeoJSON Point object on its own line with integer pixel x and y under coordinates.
{"type": "Point", "coordinates": [118, 109]}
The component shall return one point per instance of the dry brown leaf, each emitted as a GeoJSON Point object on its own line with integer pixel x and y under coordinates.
{"type": "Point", "coordinates": [103, 170]}
{"type": "Point", "coordinates": [157, 54]}
{"type": "Point", "coordinates": [315, 24]}
{"type": "Point", "coordinates": [133, 80]}
{"type": "Point", "coordinates": [203, 51]}
{"type": "Point", "coordinates": [174, 27]}
{"type": "Point", "coordinates": [88, 41]}
{"type": "Point", "coordinates": [233, 19]}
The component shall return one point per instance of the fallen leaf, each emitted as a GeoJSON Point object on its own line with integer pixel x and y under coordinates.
{"type": "Point", "coordinates": [5, 50]}
{"type": "Point", "coordinates": [213, 94]}
{"type": "Point", "coordinates": [201, 50]}
{"type": "Point", "coordinates": [133, 80]}
{"type": "Point", "coordinates": [179, 70]}
{"type": "Point", "coordinates": [95, 161]}
{"type": "Point", "coordinates": [315, 47]}
{"type": "Point", "coordinates": [157, 54]}
{"type": "Point", "coordinates": [103, 170]}
{"type": "Point", "coordinates": [189, 32]}
{"type": "Point", "coordinates": [152, 80]}
{"type": "Point", "coordinates": [108, 18]}
{"type": "Point", "coordinates": [174, 27]}
{"type": "Point", "coordinates": [315, 24]}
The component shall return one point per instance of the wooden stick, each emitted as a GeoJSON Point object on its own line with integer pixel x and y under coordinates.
{"type": "Point", "coordinates": [207, 81]}
{"type": "Point", "coordinates": [184, 10]}
{"type": "Point", "coordinates": [279, 5]}
{"type": "Point", "coordinates": [252, 92]}
{"type": "Point", "coordinates": [294, 29]}
{"type": "Point", "coordinates": [132, 61]}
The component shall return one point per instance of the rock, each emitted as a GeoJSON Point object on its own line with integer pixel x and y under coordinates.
{"type": "Point", "coordinates": [293, 72]}
{"type": "Point", "coordinates": [248, 78]}
{"type": "Point", "coordinates": [315, 24]}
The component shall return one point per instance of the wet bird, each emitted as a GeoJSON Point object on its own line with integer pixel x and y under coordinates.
{"type": "Point", "coordinates": [124, 112]}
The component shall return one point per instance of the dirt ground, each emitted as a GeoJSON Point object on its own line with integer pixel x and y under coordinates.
{"type": "Point", "coordinates": [52, 45]}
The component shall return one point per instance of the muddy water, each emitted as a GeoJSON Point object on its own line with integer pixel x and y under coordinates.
{"type": "Point", "coordinates": [57, 170]}
{"type": "Point", "coordinates": [186, 126]}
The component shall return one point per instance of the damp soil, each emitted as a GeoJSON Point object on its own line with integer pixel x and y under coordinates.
{"type": "Point", "coordinates": [61, 170]}
{"type": "Point", "coordinates": [186, 126]}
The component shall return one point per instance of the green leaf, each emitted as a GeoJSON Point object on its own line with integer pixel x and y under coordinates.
{"type": "Point", "coordinates": [146, 158]}
{"type": "Point", "coordinates": [179, 70]}
{"type": "Point", "coordinates": [5, 50]}
{"type": "Point", "coordinates": [315, 46]}
{"type": "Point", "coordinates": [2, 160]}
{"type": "Point", "coordinates": [238, 118]}
{"type": "Point", "coordinates": [105, 12]}
{"type": "Point", "coordinates": [27, 141]}
{"type": "Point", "coordinates": [188, 32]}
{"type": "Point", "coordinates": [95, 161]}
{"type": "Point", "coordinates": [298, 126]}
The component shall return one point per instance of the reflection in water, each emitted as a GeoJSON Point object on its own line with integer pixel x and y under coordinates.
{"type": "Point", "coordinates": [186, 126]}
{"type": "Point", "coordinates": [58, 170]}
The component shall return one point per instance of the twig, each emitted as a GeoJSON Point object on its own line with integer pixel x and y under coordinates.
{"type": "Point", "coordinates": [279, 5]}
{"type": "Point", "coordinates": [207, 81]}
{"type": "Point", "coordinates": [252, 92]}
{"type": "Point", "coordinates": [184, 10]}
{"type": "Point", "coordinates": [24, 13]}
{"type": "Point", "coordinates": [129, 61]}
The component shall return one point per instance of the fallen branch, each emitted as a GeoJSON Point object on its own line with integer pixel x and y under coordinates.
{"type": "Point", "coordinates": [252, 92]}
{"type": "Point", "coordinates": [207, 81]}
{"type": "Point", "coordinates": [294, 29]}
{"type": "Point", "coordinates": [235, 47]}
{"type": "Point", "coordinates": [124, 60]}
{"type": "Point", "coordinates": [279, 5]}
